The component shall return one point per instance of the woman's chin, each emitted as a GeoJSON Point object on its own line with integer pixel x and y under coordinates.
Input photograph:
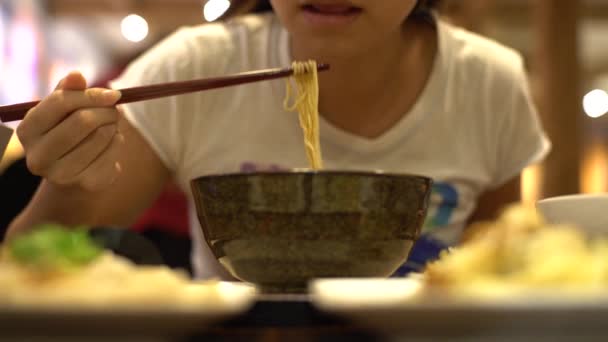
{"type": "Point", "coordinates": [326, 49]}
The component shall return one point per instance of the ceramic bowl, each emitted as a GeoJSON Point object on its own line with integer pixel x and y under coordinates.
{"type": "Point", "coordinates": [587, 211]}
{"type": "Point", "coordinates": [281, 229]}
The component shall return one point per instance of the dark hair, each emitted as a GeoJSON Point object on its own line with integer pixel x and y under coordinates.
{"type": "Point", "coordinates": [423, 9]}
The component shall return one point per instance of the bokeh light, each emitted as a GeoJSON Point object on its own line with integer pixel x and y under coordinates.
{"type": "Point", "coordinates": [134, 28]}
{"type": "Point", "coordinates": [215, 8]}
{"type": "Point", "coordinates": [595, 103]}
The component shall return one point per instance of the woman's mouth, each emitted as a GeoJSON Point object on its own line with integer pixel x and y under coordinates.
{"type": "Point", "coordinates": [330, 14]}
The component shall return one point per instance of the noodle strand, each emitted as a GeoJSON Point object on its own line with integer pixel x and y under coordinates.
{"type": "Point", "coordinates": [305, 99]}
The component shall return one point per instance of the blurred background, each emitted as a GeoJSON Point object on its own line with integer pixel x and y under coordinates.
{"type": "Point", "coordinates": [565, 43]}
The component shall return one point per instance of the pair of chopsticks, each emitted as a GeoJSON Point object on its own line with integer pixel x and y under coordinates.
{"type": "Point", "coordinates": [17, 112]}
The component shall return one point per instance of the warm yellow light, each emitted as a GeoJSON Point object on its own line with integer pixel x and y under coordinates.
{"type": "Point", "coordinates": [595, 169]}
{"type": "Point", "coordinates": [530, 184]}
{"type": "Point", "coordinates": [14, 151]}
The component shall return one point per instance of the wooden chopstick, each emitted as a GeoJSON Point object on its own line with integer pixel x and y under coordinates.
{"type": "Point", "coordinates": [17, 112]}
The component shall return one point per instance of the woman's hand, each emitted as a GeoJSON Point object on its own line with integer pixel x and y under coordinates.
{"type": "Point", "coordinates": [71, 137]}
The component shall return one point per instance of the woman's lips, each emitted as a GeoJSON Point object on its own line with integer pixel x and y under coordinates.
{"type": "Point", "coordinates": [330, 14]}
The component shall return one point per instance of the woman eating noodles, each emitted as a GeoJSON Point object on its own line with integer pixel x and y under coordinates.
{"type": "Point", "coordinates": [406, 93]}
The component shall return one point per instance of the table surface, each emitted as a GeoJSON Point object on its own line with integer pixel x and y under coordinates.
{"type": "Point", "coordinates": [294, 318]}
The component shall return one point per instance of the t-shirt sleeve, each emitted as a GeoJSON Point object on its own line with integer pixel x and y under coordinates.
{"type": "Point", "coordinates": [155, 119]}
{"type": "Point", "coordinates": [521, 139]}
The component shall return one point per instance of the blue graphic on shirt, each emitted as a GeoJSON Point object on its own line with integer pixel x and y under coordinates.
{"type": "Point", "coordinates": [444, 201]}
{"type": "Point", "coordinates": [425, 249]}
{"type": "Point", "coordinates": [445, 196]}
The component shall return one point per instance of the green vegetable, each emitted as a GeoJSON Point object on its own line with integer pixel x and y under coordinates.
{"type": "Point", "coordinates": [52, 246]}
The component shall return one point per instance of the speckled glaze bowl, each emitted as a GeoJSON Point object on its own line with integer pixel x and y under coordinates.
{"type": "Point", "coordinates": [279, 230]}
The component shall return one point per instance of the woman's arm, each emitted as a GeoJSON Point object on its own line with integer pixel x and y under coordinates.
{"type": "Point", "coordinates": [140, 181]}
{"type": "Point", "coordinates": [492, 202]}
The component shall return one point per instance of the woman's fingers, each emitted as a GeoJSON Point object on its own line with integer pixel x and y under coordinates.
{"type": "Point", "coordinates": [73, 81]}
{"type": "Point", "coordinates": [84, 126]}
{"type": "Point", "coordinates": [57, 106]}
{"type": "Point", "coordinates": [65, 170]}
{"type": "Point", "coordinates": [105, 169]}
{"type": "Point", "coordinates": [71, 136]}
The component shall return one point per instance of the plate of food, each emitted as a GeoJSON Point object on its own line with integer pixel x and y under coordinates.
{"type": "Point", "coordinates": [516, 275]}
{"type": "Point", "coordinates": [59, 282]}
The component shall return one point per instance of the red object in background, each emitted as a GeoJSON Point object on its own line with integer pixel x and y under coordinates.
{"type": "Point", "coordinates": [169, 213]}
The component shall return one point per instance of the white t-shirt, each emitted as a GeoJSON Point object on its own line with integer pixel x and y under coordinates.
{"type": "Point", "coordinates": [473, 127]}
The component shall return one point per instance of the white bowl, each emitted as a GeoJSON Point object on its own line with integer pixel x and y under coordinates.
{"type": "Point", "coordinates": [587, 211]}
